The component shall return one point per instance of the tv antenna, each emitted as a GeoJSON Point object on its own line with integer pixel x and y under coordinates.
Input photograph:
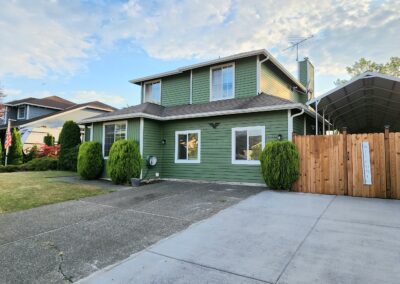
{"type": "Point", "coordinates": [295, 42]}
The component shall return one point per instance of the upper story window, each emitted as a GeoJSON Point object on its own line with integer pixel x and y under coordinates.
{"type": "Point", "coordinates": [112, 132]}
{"type": "Point", "coordinates": [247, 144]}
{"type": "Point", "coordinates": [152, 92]}
{"type": "Point", "coordinates": [222, 85]}
{"type": "Point", "coordinates": [21, 112]}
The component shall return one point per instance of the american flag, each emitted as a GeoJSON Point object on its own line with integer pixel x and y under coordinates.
{"type": "Point", "coordinates": [8, 141]}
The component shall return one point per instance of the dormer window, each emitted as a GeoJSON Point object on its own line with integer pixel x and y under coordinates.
{"type": "Point", "coordinates": [152, 92]}
{"type": "Point", "coordinates": [222, 85]}
{"type": "Point", "coordinates": [21, 112]}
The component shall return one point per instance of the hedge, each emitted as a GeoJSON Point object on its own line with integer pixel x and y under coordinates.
{"type": "Point", "coordinates": [38, 164]}
{"type": "Point", "coordinates": [68, 158]}
{"type": "Point", "coordinates": [90, 160]}
{"type": "Point", "coordinates": [280, 164]}
{"type": "Point", "coordinates": [124, 161]}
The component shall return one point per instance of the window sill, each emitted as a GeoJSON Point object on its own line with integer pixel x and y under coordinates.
{"type": "Point", "coordinates": [187, 161]}
{"type": "Point", "coordinates": [223, 99]}
{"type": "Point", "coordinates": [249, 163]}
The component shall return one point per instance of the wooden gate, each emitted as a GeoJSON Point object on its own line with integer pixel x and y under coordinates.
{"type": "Point", "coordinates": [332, 164]}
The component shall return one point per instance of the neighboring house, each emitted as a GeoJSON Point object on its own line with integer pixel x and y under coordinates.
{"type": "Point", "coordinates": [36, 117]}
{"type": "Point", "coordinates": [210, 121]}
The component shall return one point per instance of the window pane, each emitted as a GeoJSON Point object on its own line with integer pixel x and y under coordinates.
{"type": "Point", "coordinates": [153, 92]}
{"type": "Point", "coordinates": [228, 82]}
{"type": "Point", "coordinates": [241, 145]}
{"type": "Point", "coordinates": [120, 131]}
{"type": "Point", "coordinates": [21, 112]}
{"type": "Point", "coordinates": [108, 138]}
{"type": "Point", "coordinates": [193, 151]}
{"type": "Point", "coordinates": [182, 146]}
{"type": "Point", "coordinates": [255, 146]}
{"type": "Point", "coordinates": [216, 84]}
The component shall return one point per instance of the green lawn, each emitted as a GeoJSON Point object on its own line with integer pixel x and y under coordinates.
{"type": "Point", "coordinates": [24, 190]}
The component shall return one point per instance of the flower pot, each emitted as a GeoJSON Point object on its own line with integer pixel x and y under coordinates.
{"type": "Point", "coordinates": [135, 182]}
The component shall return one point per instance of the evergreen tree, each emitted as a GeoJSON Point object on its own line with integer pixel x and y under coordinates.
{"type": "Point", "coordinates": [15, 155]}
{"type": "Point", "coordinates": [70, 138]}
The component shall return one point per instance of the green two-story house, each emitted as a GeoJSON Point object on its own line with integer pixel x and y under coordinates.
{"type": "Point", "coordinates": [210, 121]}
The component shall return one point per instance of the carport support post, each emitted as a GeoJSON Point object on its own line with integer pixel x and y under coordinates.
{"type": "Point", "coordinates": [316, 117]}
{"type": "Point", "coordinates": [387, 163]}
{"type": "Point", "coordinates": [345, 155]}
{"type": "Point", "coordinates": [323, 122]}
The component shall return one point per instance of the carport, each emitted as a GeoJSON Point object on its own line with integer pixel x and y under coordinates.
{"type": "Point", "coordinates": [365, 104]}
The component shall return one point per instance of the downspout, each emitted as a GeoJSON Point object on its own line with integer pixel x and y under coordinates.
{"type": "Point", "coordinates": [259, 72]}
{"type": "Point", "coordinates": [290, 123]}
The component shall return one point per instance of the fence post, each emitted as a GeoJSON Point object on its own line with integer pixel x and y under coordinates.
{"type": "Point", "coordinates": [387, 163]}
{"type": "Point", "coordinates": [345, 172]}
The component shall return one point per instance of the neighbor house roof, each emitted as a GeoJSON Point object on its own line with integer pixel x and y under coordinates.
{"type": "Point", "coordinates": [90, 105]}
{"type": "Point", "coordinates": [221, 60]}
{"type": "Point", "coordinates": [262, 102]}
{"type": "Point", "coordinates": [53, 102]}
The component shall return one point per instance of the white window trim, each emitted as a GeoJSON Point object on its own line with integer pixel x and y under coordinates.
{"type": "Point", "coordinates": [144, 89]}
{"type": "Point", "coordinates": [19, 117]}
{"type": "Point", "coordinates": [104, 133]}
{"type": "Point", "coordinates": [233, 80]}
{"type": "Point", "coordinates": [246, 162]}
{"type": "Point", "coordinates": [187, 132]}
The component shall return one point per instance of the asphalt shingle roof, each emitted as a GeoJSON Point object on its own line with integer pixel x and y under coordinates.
{"type": "Point", "coordinates": [52, 102]}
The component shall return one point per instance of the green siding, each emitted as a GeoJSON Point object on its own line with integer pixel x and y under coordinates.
{"type": "Point", "coordinates": [246, 77]}
{"type": "Point", "coordinates": [98, 132]}
{"type": "Point", "coordinates": [175, 90]}
{"type": "Point", "coordinates": [152, 136]}
{"type": "Point", "coordinates": [201, 85]}
{"type": "Point", "coordinates": [298, 125]}
{"type": "Point", "coordinates": [216, 149]}
{"type": "Point", "coordinates": [273, 82]}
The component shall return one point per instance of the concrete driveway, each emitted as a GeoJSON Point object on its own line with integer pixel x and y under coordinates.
{"type": "Point", "coordinates": [276, 237]}
{"type": "Point", "coordinates": [64, 242]}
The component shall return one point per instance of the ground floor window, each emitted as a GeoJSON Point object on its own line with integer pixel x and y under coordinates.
{"type": "Point", "coordinates": [247, 144]}
{"type": "Point", "coordinates": [112, 132]}
{"type": "Point", "coordinates": [187, 146]}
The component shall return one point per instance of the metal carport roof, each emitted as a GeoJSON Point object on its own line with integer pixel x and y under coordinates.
{"type": "Point", "coordinates": [365, 104]}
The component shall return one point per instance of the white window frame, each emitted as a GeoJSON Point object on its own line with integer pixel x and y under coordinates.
{"type": "Point", "coordinates": [144, 90]}
{"type": "Point", "coordinates": [187, 132]}
{"type": "Point", "coordinates": [23, 117]}
{"type": "Point", "coordinates": [104, 133]}
{"type": "Point", "coordinates": [246, 162]}
{"type": "Point", "coordinates": [233, 80]}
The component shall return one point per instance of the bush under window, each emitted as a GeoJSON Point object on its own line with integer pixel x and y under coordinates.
{"type": "Point", "coordinates": [124, 161]}
{"type": "Point", "coordinates": [90, 160]}
{"type": "Point", "coordinates": [280, 164]}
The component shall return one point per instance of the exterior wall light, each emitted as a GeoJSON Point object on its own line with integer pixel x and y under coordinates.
{"type": "Point", "coordinates": [279, 137]}
{"type": "Point", "coordinates": [163, 142]}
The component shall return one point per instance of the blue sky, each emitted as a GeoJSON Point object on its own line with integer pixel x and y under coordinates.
{"type": "Point", "coordinates": [88, 50]}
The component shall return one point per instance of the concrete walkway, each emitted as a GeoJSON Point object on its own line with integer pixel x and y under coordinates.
{"type": "Point", "coordinates": [275, 237]}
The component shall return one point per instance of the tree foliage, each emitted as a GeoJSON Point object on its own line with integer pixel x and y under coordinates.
{"type": "Point", "coordinates": [15, 155]}
{"type": "Point", "coordinates": [70, 138]}
{"type": "Point", "coordinates": [280, 164]}
{"type": "Point", "coordinates": [124, 161]}
{"type": "Point", "coordinates": [392, 68]}
{"type": "Point", "coordinates": [90, 160]}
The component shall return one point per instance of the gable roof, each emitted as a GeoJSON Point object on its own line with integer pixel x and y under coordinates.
{"type": "Point", "coordinates": [53, 102]}
{"type": "Point", "coordinates": [90, 105]}
{"type": "Point", "coordinates": [262, 102]}
{"type": "Point", "coordinates": [221, 60]}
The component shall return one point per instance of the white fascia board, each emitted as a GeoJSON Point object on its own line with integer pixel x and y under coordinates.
{"type": "Point", "coordinates": [22, 103]}
{"type": "Point", "coordinates": [198, 115]}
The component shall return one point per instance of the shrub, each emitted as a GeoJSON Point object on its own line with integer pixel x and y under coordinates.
{"type": "Point", "coordinates": [15, 155]}
{"type": "Point", "coordinates": [31, 154]}
{"type": "Point", "coordinates": [70, 135]}
{"type": "Point", "coordinates": [124, 161]}
{"type": "Point", "coordinates": [70, 138]}
{"type": "Point", "coordinates": [68, 158]}
{"type": "Point", "coordinates": [9, 169]}
{"type": "Point", "coordinates": [40, 164]}
{"type": "Point", "coordinates": [49, 151]}
{"type": "Point", "coordinates": [280, 164]}
{"type": "Point", "coordinates": [49, 140]}
{"type": "Point", "coordinates": [90, 160]}
{"type": "Point", "coordinates": [1, 152]}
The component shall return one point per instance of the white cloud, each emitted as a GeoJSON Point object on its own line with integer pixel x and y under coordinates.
{"type": "Point", "coordinates": [84, 96]}
{"type": "Point", "coordinates": [60, 37]}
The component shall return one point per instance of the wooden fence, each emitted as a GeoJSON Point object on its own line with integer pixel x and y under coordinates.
{"type": "Point", "coordinates": [332, 164]}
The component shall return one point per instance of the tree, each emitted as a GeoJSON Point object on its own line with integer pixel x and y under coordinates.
{"type": "Point", "coordinates": [15, 155]}
{"type": "Point", "coordinates": [392, 68]}
{"type": "Point", "coordinates": [70, 138]}
{"type": "Point", "coordinates": [49, 140]}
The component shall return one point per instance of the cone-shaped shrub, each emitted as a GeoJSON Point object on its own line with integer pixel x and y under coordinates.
{"type": "Point", "coordinates": [49, 140]}
{"type": "Point", "coordinates": [124, 161]}
{"type": "Point", "coordinates": [280, 164]}
{"type": "Point", "coordinates": [90, 160]}
{"type": "Point", "coordinates": [15, 155]}
{"type": "Point", "coordinates": [70, 138]}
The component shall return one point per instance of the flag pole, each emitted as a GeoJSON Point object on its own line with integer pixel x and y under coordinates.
{"type": "Point", "coordinates": [8, 129]}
